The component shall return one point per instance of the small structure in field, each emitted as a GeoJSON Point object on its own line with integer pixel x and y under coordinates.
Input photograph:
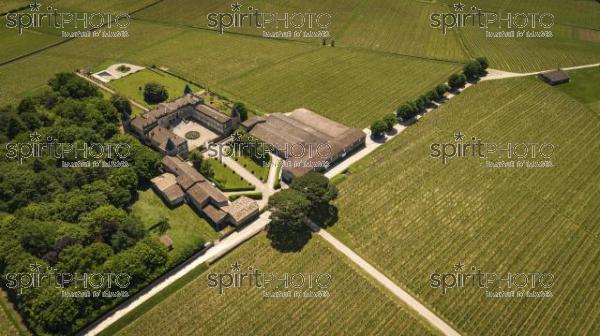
{"type": "Point", "coordinates": [555, 77]}
{"type": "Point", "coordinates": [167, 241]}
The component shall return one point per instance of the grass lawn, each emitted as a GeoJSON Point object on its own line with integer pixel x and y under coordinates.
{"type": "Point", "coordinates": [355, 306]}
{"type": "Point", "coordinates": [135, 111]}
{"type": "Point", "coordinates": [258, 170]}
{"type": "Point", "coordinates": [584, 86]}
{"type": "Point", "coordinates": [411, 215]}
{"type": "Point", "coordinates": [226, 179]}
{"type": "Point", "coordinates": [10, 321]}
{"type": "Point", "coordinates": [130, 85]}
{"type": "Point", "coordinates": [188, 230]}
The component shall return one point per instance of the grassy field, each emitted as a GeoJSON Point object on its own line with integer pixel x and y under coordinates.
{"type": "Point", "coordinates": [354, 306]}
{"type": "Point", "coordinates": [226, 179]}
{"type": "Point", "coordinates": [130, 85]}
{"type": "Point", "coordinates": [584, 86]}
{"type": "Point", "coordinates": [411, 215]}
{"type": "Point", "coordinates": [10, 321]}
{"type": "Point", "coordinates": [353, 87]}
{"type": "Point", "coordinates": [188, 230]}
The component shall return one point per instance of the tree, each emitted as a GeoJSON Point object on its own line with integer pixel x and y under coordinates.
{"type": "Point", "coordinates": [406, 111]}
{"type": "Point", "coordinates": [201, 165]}
{"type": "Point", "coordinates": [122, 104]}
{"type": "Point", "coordinates": [240, 109]}
{"type": "Point", "coordinates": [377, 128]}
{"type": "Point", "coordinates": [187, 90]}
{"type": "Point", "coordinates": [483, 62]}
{"type": "Point", "coordinates": [390, 120]}
{"type": "Point", "coordinates": [287, 230]}
{"type": "Point", "coordinates": [14, 126]}
{"type": "Point", "coordinates": [442, 89]}
{"type": "Point", "coordinates": [155, 93]}
{"type": "Point", "coordinates": [456, 81]}
{"type": "Point", "coordinates": [472, 70]}
{"type": "Point", "coordinates": [316, 188]}
{"type": "Point", "coordinates": [68, 84]}
{"type": "Point", "coordinates": [434, 95]}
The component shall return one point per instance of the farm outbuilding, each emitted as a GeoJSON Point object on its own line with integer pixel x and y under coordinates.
{"type": "Point", "coordinates": [555, 77]}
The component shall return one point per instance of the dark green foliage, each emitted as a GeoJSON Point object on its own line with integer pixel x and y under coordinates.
{"type": "Point", "coordinates": [287, 230]}
{"type": "Point", "coordinates": [472, 70]}
{"type": "Point", "coordinates": [73, 219]}
{"type": "Point", "coordinates": [378, 128]}
{"type": "Point", "coordinates": [155, 93]}
{"type": "Point", "coordinates": [390, 120]}
{"type": "Point", "coordinates": [122, 105]}
{"type": "Point", "coordinates": [70, 85]}
{"type": "Point", "coordinates": [240, 109]}
{"type": "Point", "coordinates": [456, 81]}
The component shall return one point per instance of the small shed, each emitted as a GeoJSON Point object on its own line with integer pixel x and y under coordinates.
{"type": "Point", "coordinates": [555, 77]}
{"type": "Point", "coordinates": [167, 241]}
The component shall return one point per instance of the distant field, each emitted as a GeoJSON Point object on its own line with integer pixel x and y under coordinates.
{"type": "Point", "coordinates": [533, 54]}
{"type": "Point", "coordinates": [15, 44]}
{"type": "Point", "coordinates": [188, 229]}
{"type": "Point", "coordinates": [355, 305]}
{"type": "Point", "coordinates": [350, 86]}
{"type": "Point", "coordinates": [572, 44]}
{"type": "Point", "coordinates": [382, 25]}
{"type": "Point", "coordinates": [400, 27]}
{"type": "Point", "coordinates": [8, 5]}
{"type": "Point", "coordinates": [411, 215]}
{"type": "Point", "coordinates": [582, 13]}
{"type": "Point", "coordinates": [130, 85]}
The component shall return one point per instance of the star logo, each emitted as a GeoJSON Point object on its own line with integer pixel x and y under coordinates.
{"type": "Point", "coordinates": [236, 267]}
{"type": "Point", "coordinates": [35, 6]}
{"type": "Point", "coordinates": [236, 7]}
{"type": "Point", "coordinates": [459, 266]}
{"type": "Point", "coordinates": [459, 136]}
{"type": "Point", "coordinates": [459, 7]}
{"type": "Point", "coordinates": [35, 137]}
{"type": "Point", "coordinates": [237, 137]}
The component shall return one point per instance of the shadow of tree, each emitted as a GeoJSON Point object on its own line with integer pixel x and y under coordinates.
{"type": "Point", "coordinates": [325, 215]}
{"type": "Point", "coordinates": [288, 238]}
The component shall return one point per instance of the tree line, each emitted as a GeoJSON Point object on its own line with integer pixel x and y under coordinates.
{"type": "Point", "coordinates": [72, 220]}
{"type": "Point", "coordinates": [471, 71]}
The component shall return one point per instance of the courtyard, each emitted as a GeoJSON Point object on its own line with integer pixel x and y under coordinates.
{"type": "Point", "coordinates": [187, 127]}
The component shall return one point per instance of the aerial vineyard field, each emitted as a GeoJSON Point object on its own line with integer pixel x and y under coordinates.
{"type": "Point", "coordinates": [411, 215]}
{"type": "Point", "coordinates": [354, 306]}
{"type": "Point", "coordinates": [581, 13]}
{"type": "Point", "coordinates": [354, 87]}
{"type": "Point", "coordinates": [401, 27]}
{"type": "Point", "coordinates": [533, 54]}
